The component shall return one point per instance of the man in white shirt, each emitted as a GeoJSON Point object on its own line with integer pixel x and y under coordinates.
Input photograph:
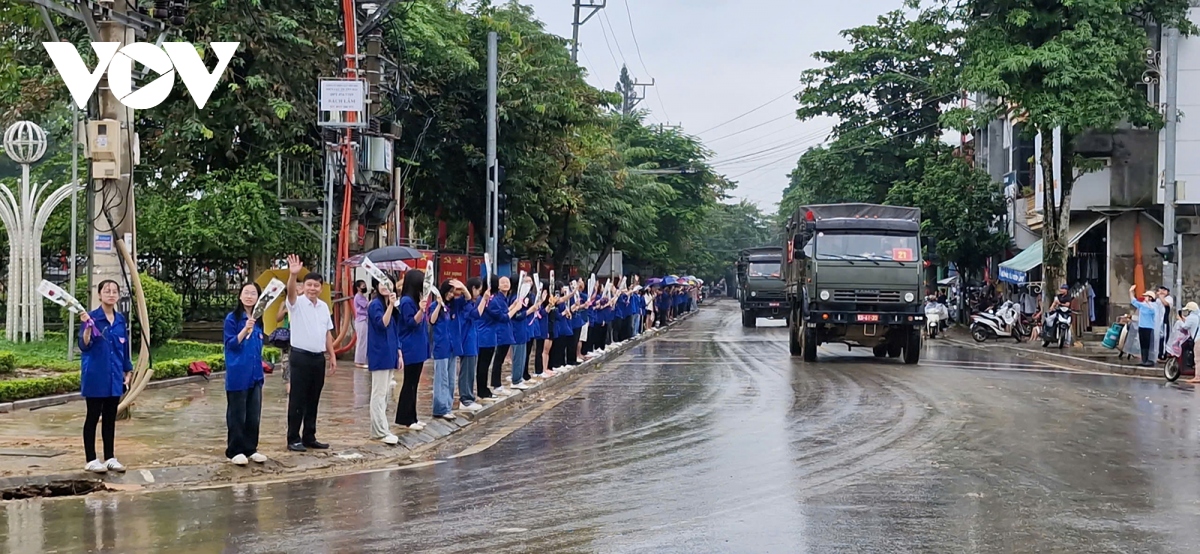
{"type": "Point", "coordinates": [311, 355]}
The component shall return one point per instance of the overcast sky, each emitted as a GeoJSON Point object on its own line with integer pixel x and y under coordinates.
{"type": "Point", "coordinates": [715, 60]}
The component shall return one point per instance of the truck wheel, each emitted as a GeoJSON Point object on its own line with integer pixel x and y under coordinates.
{"type": "Point", "coordinates": [794, 343]}
{"type": "Point", "coordinates": [809, 344]}
{"type": "Point", "coordinates": [912, 350]}
{"type": "Point", "coordinates": [894, 350]}
{"type": "Point", "coordinates": [748, 319]}
{"type": "Point", "coordinates": [879, 350]}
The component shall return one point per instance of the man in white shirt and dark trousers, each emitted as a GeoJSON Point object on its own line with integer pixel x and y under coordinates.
{"type": "Point", "coordinates": [311, 355]}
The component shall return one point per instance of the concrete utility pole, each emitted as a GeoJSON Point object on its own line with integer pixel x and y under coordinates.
{"type": "Point", "coordinates": [108, 197]}
{"type": "Point", "coordinates": [492, 204]}
{"type": "Point", "coordinates": [1171, 272]}
{"type": "Point", "coordinates": [594, 7]}
{"type": "Point", "coordinates": [633, 97]}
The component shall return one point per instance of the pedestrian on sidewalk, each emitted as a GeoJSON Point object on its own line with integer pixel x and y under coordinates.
{"type": "Point", "coordinates": [541, 336]}
{"type": "Point", "coordinates": [311, 356]}
{"type": "Point", "coordinates": [468, 363]}
{"type": "Point", "coordinates": [447, 345]}
{"type": "Point", "coordinates": [1191, 325]}
{"type": "Point", "coordinates": [383, 357]}
{"type": "Point", "coordinates": [579, 318]}
{"type": "Point", "coordinates": [1148, 322]}
{"type": "Point", "coordinates": [561, 332]}
{"type": "Point", "coordinates": [360, 324]}
{"type": "Point", "coordinates": [106, 368]}
{"type": "Point", "coordinates": [531, 325]}
{"type": "Point", "coordinates": [243, 378]}
{"type": "Point", "coordinates": [518, 324]}
{"type": "Point", "coordinates": [499, 314]}
{"type": "Point", "coordinates": [1164, 332]}
{"type": "Point", "coordinates": [414, 345]}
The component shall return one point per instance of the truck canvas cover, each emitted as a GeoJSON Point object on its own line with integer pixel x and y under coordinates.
{"type": "Point", "coordinates": [832, 216]}
{"type": "Point", "coordinates": [762, 252]}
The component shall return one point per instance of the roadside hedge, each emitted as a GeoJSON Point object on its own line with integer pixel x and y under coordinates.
{"type": "Point", "coordinates": [8, 362]}
{"type": "Point", "coordinates": [22, 389]}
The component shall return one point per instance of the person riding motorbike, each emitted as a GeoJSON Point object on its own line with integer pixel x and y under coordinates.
{"type": "Point", "coordinates": [1191, 325]}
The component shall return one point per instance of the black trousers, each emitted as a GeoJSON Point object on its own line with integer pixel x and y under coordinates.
{"type": "Point", "coordinates": [498, 364]}
{"type": "Point", "coordinates": [243, 414]}
{"type": "Point", "coordinates": [596, 334]}
{"type": "Point", "coordinates": [308, 380]}
{"type": "Point", "coordinates": [529, 346]}
{"type": "Point", "coordinates": [406, 409]}
{"type": "Point", "coordinates": [558, 351]}
{"type": "Point", "coordinates": [481, 371]}
{"type": "Point", "coordinates": [538, 354]}
{"type": "Point", "coordinates": [1145, 340]}
{"type": "Point", "coordinates": [103, 411]}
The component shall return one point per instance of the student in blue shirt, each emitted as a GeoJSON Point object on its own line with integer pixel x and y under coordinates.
{"type": "Point", "coordinates": [519, 325]}
{"type": "Point", "coordinates": [562, 331]}
{"type": "Point", "coordinates": [383, 357]}
{"type": "Point", "coordinates": [447, 345]}
{"type": "Point", "coordinates": [541, 333]}
{"type": "Point", "coordinates": [579, 318]}
{"type": "Point", "coordinates": [243, 379]}
{"type": "Point", "coordinates": [414, 345]}
{"type": "Point", "coordinates": [468, 364]}
{"type": "Point", "coordinates": [106, 367]}
{"type": "Point", "coordinates": [531, 325]}
{"type": "Point", "coordinates": [498, 315]}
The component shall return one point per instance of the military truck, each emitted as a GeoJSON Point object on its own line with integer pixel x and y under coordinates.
{"type": "Point", "coordinates": [760, 285]}
{"type": "Point", "coordinates": [853, 275]}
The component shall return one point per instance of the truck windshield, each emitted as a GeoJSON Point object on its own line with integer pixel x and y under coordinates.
{"type": "Point", "coordinates": [850, 246]}
{"type": "Point", "coordinates": [764, 270]}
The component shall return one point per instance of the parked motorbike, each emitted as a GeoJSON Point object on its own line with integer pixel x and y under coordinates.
{"type": "Point", "coordinates": [1056, 327]}
{"type": "Point", "coordinates": [1180, 360]}
{"type": "Point", "coordinates": [1002, 322]}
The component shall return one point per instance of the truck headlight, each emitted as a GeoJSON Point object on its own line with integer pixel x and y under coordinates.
{"type": "Point", "coordinates": [753, 293]}
{"type": "Point", "coordinates": [824, 295]}
{"type": "Point", "coordinates": [909, 297]}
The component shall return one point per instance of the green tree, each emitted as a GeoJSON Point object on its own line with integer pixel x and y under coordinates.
{"type": "Point", "coordinates": [959, 208]}
{"type": "Point", "coordinates": [1073, 66]}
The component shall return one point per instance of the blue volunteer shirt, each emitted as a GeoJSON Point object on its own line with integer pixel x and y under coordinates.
{"type": "Point", "coordinates": [469, 323]}
{"type": "Point", "coordinates": [444, 333]}
{"type": "Point", "coordinates": [498, 321]}
{"type": "Point", "coordinates": [243, 360]}
{"type": "Point", "coordinates": [383, 341]}
{"type": "Point", "coordinates": [105, 361]}
{"type": "Point", "coordinates": [414, 337]}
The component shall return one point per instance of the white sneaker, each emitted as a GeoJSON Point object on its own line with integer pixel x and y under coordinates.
{"type": "Point", "coordinates": [417, 426]}
{"type": "Point", "coordinates": [391, 440]}
{"type": "Point", "coordinates": [521, 386]}
{"type": "Point", "coordinates": [472, 407]}
{"type": "Point", "coordinates": [258, 458]}
{"type": "Point", "coordinates": [113, 465]}
{"type": "Point", "coordinates": [96, 466]}
{"type": "Point", "coordinates": [239, 460]}
{"type": "Point", "coordinates": [449, 415]}
{"type": "Point", "coordinates": [501, 391]}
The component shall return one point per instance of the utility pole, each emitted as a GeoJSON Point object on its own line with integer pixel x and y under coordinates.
{"type": "Point", "coordinates": [1171, 269]}
{"type": "Point", "coordinates": [492, 188]}
{"type": "Point", "coordinates": [593, 7]}
{"type": "Point", "coordinates": [633, 96]}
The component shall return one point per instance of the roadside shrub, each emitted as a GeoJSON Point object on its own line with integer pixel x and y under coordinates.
{"type": "Point", "coordinates": [21, 389]}
{"type": "Point", "coordinates": [8, 362]}
{"type": "Point", "coordinates": [164, 306]}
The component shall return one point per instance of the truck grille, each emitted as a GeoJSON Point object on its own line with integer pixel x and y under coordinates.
{"type": "Point", "coordinates": [867, 296]}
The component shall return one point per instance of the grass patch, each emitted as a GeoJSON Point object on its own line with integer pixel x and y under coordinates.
{"type": "Point", "coordinates": [51, 353]}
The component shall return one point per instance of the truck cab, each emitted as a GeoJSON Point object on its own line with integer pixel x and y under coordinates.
{"type": "Point", "coordinates": [760, 285]}
{"type": "Point", "coordinates": [853, 275]}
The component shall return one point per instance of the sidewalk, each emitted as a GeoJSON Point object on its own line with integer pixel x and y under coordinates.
{"type": "Point", "coordinates": [177, 434]}
{"type": "Point", "coordinates": [1089, 357]}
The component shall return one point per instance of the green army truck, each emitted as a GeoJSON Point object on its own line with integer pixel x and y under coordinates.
{"type": "Point", "coordinates": [853, 275]}
{"type": "Point", "coordinates": [760, 285]}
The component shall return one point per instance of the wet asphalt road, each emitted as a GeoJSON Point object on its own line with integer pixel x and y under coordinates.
{"type": "Point", "coordinates": [713, 439]}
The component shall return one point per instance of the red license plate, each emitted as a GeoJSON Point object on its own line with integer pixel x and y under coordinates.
{"type": "Point", "coordinates": [868, 318]}
{"type": "Point", "coordinates": [774, 304]}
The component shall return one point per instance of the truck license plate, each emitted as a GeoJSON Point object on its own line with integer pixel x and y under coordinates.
{"type": "Point", "coordinates": [868, 318]}
{"type": "Point", "coordinates": [774, 304]}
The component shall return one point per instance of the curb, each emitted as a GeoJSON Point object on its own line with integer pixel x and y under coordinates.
{"type": "Point", "coordinates": [365, 456]}
{"type": "Point", "coordinates": [1078, 363]}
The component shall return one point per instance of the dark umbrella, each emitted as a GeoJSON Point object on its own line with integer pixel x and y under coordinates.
{"type": "Point", "coordinates": [393, 254]}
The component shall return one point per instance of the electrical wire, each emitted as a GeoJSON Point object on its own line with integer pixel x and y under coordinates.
{"type": "Point", "coordinates": [613, 30]}
{"type": "Point", "coordinates": [638, 46]}
{"type": "Point", "coordinates": [610, 50]}
{"type": "Point", "coordinates": [768, 103]}
{"type": "Point", "coordinates": [838, 150]}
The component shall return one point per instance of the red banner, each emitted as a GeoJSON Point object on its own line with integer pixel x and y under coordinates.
{"type": "Point", "coordinates": [526, 266]}
{"type": "Point", "coordinates": [426, 261]}
{"type": "Point", "coordinates": [452, 266]}
{"type": "Point", "coordinates": [476, 266]}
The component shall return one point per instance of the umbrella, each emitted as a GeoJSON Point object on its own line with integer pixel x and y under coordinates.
{"type": "Point", "coordinates": [654, 281]}
{"type": "Point", "coordinates": [394, 265]}
{"type": "Point", "coordinates": [669, 280]}
{"type": "Point", "coordinates": [393, 254]}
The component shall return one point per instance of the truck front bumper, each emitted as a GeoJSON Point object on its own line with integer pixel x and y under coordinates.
{"type": "Point", "coordinates": [817, 318]}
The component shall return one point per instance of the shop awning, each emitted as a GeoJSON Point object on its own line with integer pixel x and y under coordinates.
{"type": "Point", "coordinates": [1016, 270]}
